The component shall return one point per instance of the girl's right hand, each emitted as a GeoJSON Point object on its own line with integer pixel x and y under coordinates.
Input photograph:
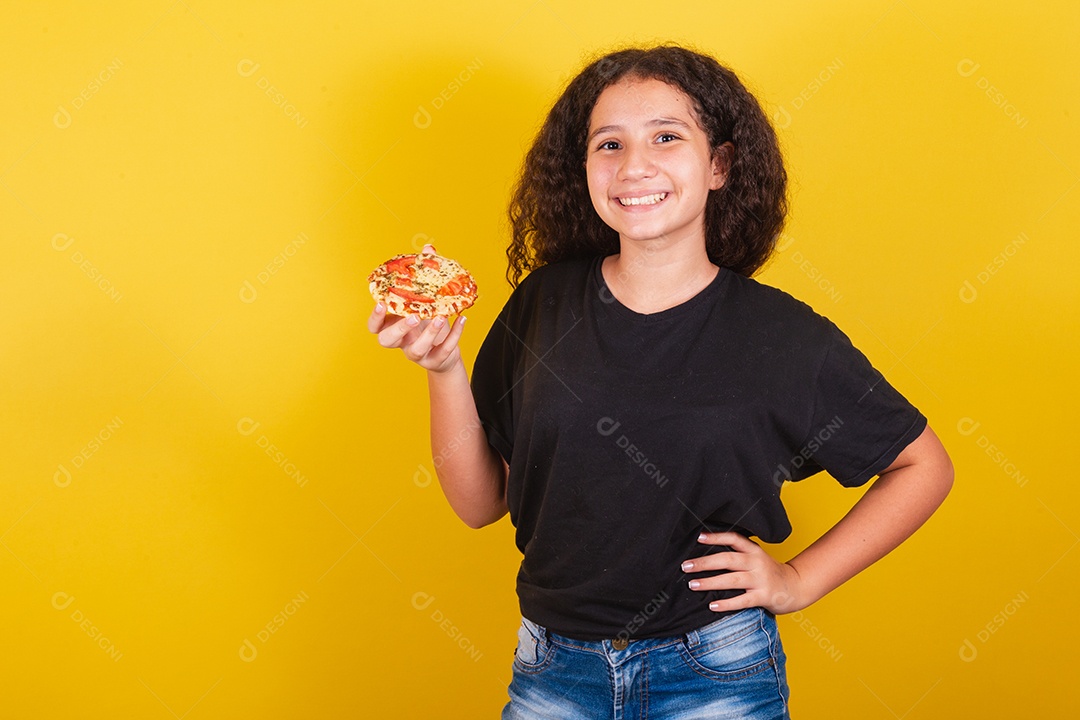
{"type": "Point", "coordinates": [431, 344]}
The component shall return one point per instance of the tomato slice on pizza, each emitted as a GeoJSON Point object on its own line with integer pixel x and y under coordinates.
{"type": "Point", "coordinates": [422, 284]}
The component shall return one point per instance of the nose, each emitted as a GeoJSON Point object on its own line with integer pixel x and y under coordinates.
{"type": "Point", "coordinates": [637, 163]}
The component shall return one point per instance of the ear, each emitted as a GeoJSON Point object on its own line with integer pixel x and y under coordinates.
{"type": "Point", "coordinates": [721, 165]}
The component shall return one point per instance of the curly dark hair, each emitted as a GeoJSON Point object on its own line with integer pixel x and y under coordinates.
{"type": "Point", "coordinates": [551, 213]}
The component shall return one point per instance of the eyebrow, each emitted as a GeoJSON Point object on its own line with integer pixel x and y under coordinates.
{"type": "Point", "coordinates": [653, 122]}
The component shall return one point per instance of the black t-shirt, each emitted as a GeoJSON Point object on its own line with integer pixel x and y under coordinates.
{"type": "Point", "coordinates": [627, 434]}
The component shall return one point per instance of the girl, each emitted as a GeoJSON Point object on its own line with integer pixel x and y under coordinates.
{"type": "Point", "coordinates": [643, 400]}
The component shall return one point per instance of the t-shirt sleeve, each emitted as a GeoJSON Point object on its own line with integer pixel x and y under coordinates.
{"type": "Point", "coordinates": [860, 423]}
{"type": "Point", "coordinates": [493, 382]}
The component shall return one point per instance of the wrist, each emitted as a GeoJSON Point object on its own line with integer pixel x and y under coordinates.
{"type": "Point", "coordinates": [804, 593]}
{"type": "Point", "coordinates": [454, 368]}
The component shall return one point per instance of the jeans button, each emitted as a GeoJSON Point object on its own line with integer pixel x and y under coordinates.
{"type": "Point", "coordinates": [619, 643]}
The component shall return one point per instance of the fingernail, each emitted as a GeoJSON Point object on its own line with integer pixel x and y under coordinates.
{"type": "Point", "coordinates": [379, 307]}
{"type": "Point", "coordinates": [437, 322]}
{"type": "Point", "coordinates": [412, 320]}
{"type": "Point", "coordinates": [694, 584]}
{"type": "Point", "coordinates": [702, 537]}
{"type": "Point", "coordinates": [713, 606]}
{"type": "Point", "coordinates": [687, 566]}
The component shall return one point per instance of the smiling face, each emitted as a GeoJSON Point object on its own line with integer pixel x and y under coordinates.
{"type": "Point", "coordinates": [649, 164]}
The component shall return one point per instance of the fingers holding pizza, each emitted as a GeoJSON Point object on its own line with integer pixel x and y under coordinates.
{"type": "Point", "coordinates": [415, 296]}
{"type": "Point", "coordinates": [432, 344]}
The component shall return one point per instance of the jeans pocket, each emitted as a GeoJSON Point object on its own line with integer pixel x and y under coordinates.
{"type": "Point", "coordinates": [533, 646]}
{"type": "Point", "coordinates": [734, 647]}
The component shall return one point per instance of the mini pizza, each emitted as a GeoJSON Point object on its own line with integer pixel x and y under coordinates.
{"type": "Point", "coordinates": [422, 284]}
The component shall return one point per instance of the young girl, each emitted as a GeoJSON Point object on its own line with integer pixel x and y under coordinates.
{"type": "Point", "coordinates": [643, 400]}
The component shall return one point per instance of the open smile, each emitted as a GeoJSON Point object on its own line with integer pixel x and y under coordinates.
{"type": "Point", "coordinates": [643, 200]}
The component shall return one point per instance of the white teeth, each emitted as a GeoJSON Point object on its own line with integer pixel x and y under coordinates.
{"type": "Point", "coordinates": [643, 200]}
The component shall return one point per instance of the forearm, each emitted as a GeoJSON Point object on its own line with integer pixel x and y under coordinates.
{"type": "Point", "coordinates": [889, 512]}
{"type": "Point", "coordinates": [471, 473]}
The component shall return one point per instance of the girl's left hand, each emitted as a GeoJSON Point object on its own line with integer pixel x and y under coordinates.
{"type": "Point", "coordinates": [775, 586]}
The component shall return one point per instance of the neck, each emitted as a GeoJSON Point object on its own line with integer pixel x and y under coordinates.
{"type": "Point", "coordinates": [658, 274]}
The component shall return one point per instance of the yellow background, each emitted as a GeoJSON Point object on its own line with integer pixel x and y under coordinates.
{"type": "Point", "coordinates": [192, 194]}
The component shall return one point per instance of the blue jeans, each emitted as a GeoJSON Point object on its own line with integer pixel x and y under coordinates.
{"type": "Point", "coordinates": [734, 667]}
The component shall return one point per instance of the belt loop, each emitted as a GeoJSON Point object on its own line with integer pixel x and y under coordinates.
{"type": "Point", "coordinates": [691, 638]}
